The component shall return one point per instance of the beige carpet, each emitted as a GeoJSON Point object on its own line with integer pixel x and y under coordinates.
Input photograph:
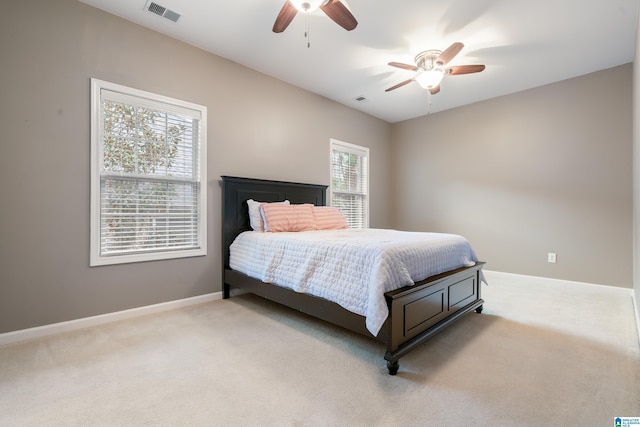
{"type": "Point", "coordinates": [539, 355]}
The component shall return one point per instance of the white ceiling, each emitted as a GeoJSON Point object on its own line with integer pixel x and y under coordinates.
{"type": "Point", "coordinates": [523, 43]}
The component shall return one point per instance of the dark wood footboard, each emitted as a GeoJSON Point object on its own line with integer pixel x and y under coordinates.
{"type": "Point", "coordinates": [418, 312]}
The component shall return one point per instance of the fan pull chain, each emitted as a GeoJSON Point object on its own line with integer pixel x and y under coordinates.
{"type": "Point", "coordinates": [306, 30]}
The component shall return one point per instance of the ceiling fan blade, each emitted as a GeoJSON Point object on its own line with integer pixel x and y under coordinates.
{"type": "Point", "coordinates": [340, 14]}
{"type": "Point", "coordinates": [284, 18]}
{"type": "Point", "coordinates": [403, 66]}
{"type": "Point", "coordinates": [434, 90]}
{"type": "Point", "coordinates": [464, 69]}
{"type": "Point", "coordinates": [399, 85]}
{"type": "Point", "coordinates": [449, 53]}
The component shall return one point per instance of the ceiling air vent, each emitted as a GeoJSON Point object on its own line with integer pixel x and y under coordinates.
{"type": "Point", "coordinates": [163, 11]}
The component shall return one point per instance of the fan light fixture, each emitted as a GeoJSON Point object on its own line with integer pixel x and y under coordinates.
{"type": "Point", "coordinates": [307, 6]}
{"type": "Point", "coordinates": [430, 79]}
{"type": "Point", "coordinates": [431, 68]}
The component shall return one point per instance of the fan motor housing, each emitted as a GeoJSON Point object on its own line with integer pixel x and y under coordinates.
{"type": "Point", "coordinates": [427, 60]}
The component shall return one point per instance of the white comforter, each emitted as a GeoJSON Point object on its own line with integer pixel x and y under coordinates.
{"type": "Point", "coordinates": [352, 267]}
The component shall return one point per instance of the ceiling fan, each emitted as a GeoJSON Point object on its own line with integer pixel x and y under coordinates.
{"type": "Point", "coordinates": [430, 65]}
{"type": "Point", "coordinates": [334, 9]}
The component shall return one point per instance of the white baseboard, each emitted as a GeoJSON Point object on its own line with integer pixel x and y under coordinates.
{"type": "Point", "coordinates": [549, 280]}
{"type": "Point", "coordinates": [636, 312]}
{"type": "Point", "coordinates": [73, 325]}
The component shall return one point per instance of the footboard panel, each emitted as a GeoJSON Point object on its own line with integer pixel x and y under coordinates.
{"type": "Point", "coordinates": [417, 312]}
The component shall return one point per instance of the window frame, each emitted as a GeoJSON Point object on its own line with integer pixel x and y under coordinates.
{"type": "Point", "coordinates": [358, 150]}
{"type": "Point", "coordinates": [97, 157]}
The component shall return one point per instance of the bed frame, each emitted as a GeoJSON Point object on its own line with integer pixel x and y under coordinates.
{"type": "Point", "coordinates": [415, 312]}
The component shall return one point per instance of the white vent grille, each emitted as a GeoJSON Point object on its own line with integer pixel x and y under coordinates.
{"type": "Point", "coordinates": [171, 15]}
{"type": "Point", "coordinates": [157, 9]}
{"type": "Point", "coordinates": [163, 11]}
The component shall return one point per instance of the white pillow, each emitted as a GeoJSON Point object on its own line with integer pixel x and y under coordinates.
{"type": "Point", "coordinates": [255, 216]}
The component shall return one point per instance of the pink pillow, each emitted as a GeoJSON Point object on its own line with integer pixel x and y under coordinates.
{"type": "Point", "coordinates": [329, 218]}
{"type": "Point", "coordinates": [288, 217]}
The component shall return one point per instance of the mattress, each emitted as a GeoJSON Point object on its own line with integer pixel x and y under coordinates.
{"type": "Point", "coordinates": [351, 267]}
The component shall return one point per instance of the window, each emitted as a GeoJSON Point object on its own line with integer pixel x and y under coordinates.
{"type": "Point", "coordinates": [350, 182]}
{"type": "Point", "coordinates": [148, 176]}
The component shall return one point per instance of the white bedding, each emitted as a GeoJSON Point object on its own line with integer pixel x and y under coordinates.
{"type": "Point", "coordinates": [352, 267]}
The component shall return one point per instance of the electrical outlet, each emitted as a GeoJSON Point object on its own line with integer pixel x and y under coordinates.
{"type": "Point", "coordinates": [551, 257]}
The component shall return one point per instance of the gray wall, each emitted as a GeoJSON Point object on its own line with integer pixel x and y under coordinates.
{"type": "Point", "coordinates": [258, 127]}
{"type": "Point", "coordinates": [636, 175]}
{"type": "Point", "coordinates": [544, 170]}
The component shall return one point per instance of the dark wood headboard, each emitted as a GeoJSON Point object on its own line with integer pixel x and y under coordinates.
{"type": "Point", "coordinates": [236, 191]}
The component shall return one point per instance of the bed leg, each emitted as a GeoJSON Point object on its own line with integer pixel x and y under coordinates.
{"type": "Point", "coordinates": [393, 367]}
{"type": "Point", "coordinates": [226, 291]}
{"type": "Point", "coordinates": [479, 310]}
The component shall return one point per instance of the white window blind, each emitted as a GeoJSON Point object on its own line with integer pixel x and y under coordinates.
{"type": "Point", "coordinates": [350, 182]}
{"type": "Point", "coordinates": [148, 171]}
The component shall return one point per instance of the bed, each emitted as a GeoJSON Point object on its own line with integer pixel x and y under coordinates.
{"type": "Point", "coordinates": [415, 312]}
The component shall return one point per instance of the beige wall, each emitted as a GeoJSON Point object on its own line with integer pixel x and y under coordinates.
{"type": "Point", "coordinates": [544, 170]}
{"type": "Point", "coordinates": [636, 175]}
{"type": "Point", "coordinates": [258, 127]}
